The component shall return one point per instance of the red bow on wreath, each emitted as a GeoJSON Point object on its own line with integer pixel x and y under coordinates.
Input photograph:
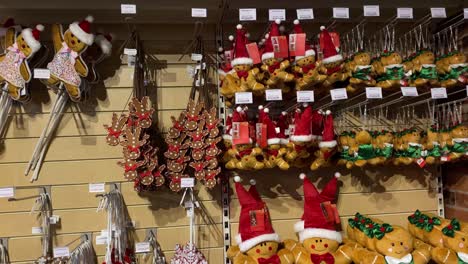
{"type": "Point", "coordinates": [145, 174]}
{"type": "Point", "coordinates": [192, 118]}
{"type": "Point", "coordinates": [174, 148]}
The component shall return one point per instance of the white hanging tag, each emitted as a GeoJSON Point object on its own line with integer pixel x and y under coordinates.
{"type": "Point", "coordinates": [60, 252]}
{"type": "Point", "coordinates": [187, 182]}
{"type": "Point", "coordinates": [127, 9]}
{"type": "Point", "coordinates": [438, 12]}
{"type": "Point", "coordinates": [199, 12]}
{"type": "Point", "coordinates": [142, 247]}
{"type": "Point", "coordinates": [405, 12]}
{"type": "Point", "coordinates": [341, 12]}
{"type": "Point", "coordinates": [409, 91]}
{"type": "Point", "coordinates": [244, 98]}
{"type": "Point", "coordinates": [305, 14]}
{"type": "Point", "coordinates": [36, 230]}
{"type": "Point", "coordinates": [371, 11]}
{"type": "Point", "coordinates": [467, 90]}
{"type": "Point", "coordinates": [54, 220]}
{"type": "Point", "coordinates": [247, 14]}
{"type": "Point", "coordinates": [338, 94]}
{"type": "Point", "coordinates": [273, 95]}
{"type": "Point", "coordinates": [438, 93]}
{"type": "Point", "coordinates": [97, 187]}
{"type": "Point", "coordinates": [190, 212]}
{"type": "Point", "coordinates": [196, 57]}
{"type": "Point", "coordinates": [305, 96]}
{"type": "Point", "coordinates": [41, 73]}
{"type": "Point", "coordinates": [465, 13]}
{"type": "Point", "coordinates": [274, 14]}
{"type": "Point", "coordinates": [130, 52]}
{"type": "Point", "coordinates": [374, 92]}
{"type": "Point", "coordinates": [7, 192]}
{"type": "Point", "coordinates": [101, 240]}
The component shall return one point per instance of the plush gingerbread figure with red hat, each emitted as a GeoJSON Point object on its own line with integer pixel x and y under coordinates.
{"type": "Point", "coordinates": [257, 242]}
{"type": "Point", "coordinates": [302, 134]}
{"type": "Point", "coordinates": [327, 145]}
{"type": "Point", "coordinates": [275, 68]}
{"type": "Point", "coordinates": [306, 67]}
{"type": "Point", "coordinates": [275, 152]}
{"type": "Point", "coordinates": [319, 241]}
{"type": "Point", "coordinates": [332, 60]}
{"type": "Point", "coordinates": [67, 65]}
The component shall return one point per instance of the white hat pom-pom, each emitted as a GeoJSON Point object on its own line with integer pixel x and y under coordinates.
{"type": "Point", "coordinates": [253, 182]}
{"type": "Point", "coordinates": [328, 112]}
{"type": "Point", "coordinates": [90, 19]}
{"type": "Point", "coordinates": [337, 174]}
{"type": "Point", "coordinates": [231, 37]}
{"type": "Point", "coordinates": [296, 21]}
{"type": "Point", "coordinates": [239, 26]}
{"type": "Point", "coordinates": [320, 111]}
{"type": "Point", "coordinates": [278, 21]}
{"type": "Point", "coordinates": [237, 179]}
{"type": "Point", "coordinates": [305, 104]}
{"type": "Point", "coordinates": [239, 109]}
{"type": "Point", "coordinates": [220, 49]}
{"type": "Point", "coordinates": [260, 107]}
{"type": "Point", "coordinates": [284, 113]}
{"type": "Point", "coordinates": [266, 110]}
{"type": "Point", "coordinates": [322, 28]}
{"type": "Point", "coordinates": [230, 115]}
{"type": "Point", "coordinates": [40, 27]}
{"type": "Point", "coordinates": [302, 176]}
{"type": "Point", "coordinates": [247, 35]}
{"type": "Point", "coordinates": [267, 35]}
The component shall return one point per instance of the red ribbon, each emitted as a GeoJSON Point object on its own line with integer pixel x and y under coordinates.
{"type": "Point", "coordinates": [145, 173]}
{"type": "Point", "coordinates": [175, 179]}
{"type": "Point", "coordinates": [199, 166]}
{"type": "Point", "coordinates": [113, 132]}
{"type": "Point", "coordinates": [143, 116]}
{"type": "Point", "coordinates": [180, 160]}
{"type": "Point", "coordinates": [318, 259]}
{"type": "Point", "coordinates": [174, 148]}
{"type": "Point", "coordinates": [133, 148]}
{"type": "Point", "coordinates": [271, 260]}
{"type": "Point", "coordinates": [274, 67]}
{"type": "Point", "coordinates": [210, 126]}
{"type": "Point", "coordinates": [242, 74]}
{"type": "Point", "coordinates": [245, 152]}
{"type": "Point", "coordinates": [333, 70]}
{"type": "Point", "coordinates": [178, 126]}
{"type": "Point", "coordinates": [273, 152]}
{"type": "Point", "coordinates": [157, 174]}
{"type": "Point", "coordinates": [307, 68]}
{"type": "Point", "coordinates": [208, 158]}
{"type": "Point", "coordinates": [130, 168]}
{"type": "Point", "coordinates": [210, 175]}
{"type": "Point", "coordinates": [192, 118]}
{"type": "Point", "coordinates": [196, 136]}
{"type": "Point", "coordinates": [298, 148]}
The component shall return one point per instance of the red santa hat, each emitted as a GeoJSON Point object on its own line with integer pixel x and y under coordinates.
{"type": "Point", "coordinates": [227, 128]}
{"type": "Point", "coordinates": [328, 135]}
{"type": "Point", "coordinates": [239, 115]}
{"type": "Point", "coordinates": [329, 50]}
{"type": "Point", "coordinates": [302, 125]}
{"type": "Point", "coordinates": [317, 125]}
{"type": "Point", "coordinates": [104, 42]}
{"type": "Point", "coordinates": [241, 56]}
{"type": "Point", "coordinates": [283, 125]}
{"type": "Point", "coordinates": [82, 30]}
{"type": "Point", "coordinates": [252, 207]}
{"type": "Point", "coordinates": [268, 49]}
{"type": "Point", "coordinates": [313, 222]}
{"type": "Point", "coordinates": [309, 51]}
{"type": "Point", "coordinates": [272, 135]}
{"type": "Point", "coordinates": [32, 37]}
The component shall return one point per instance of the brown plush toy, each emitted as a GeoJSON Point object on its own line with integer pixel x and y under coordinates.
{"type": "Point", "coordinates": [459, 144]}
{"type": "Point", "coordinates": [427, 228]}
{"type": "Point", "coordinates": [383, 146]}
{"type": "Point", "coordinates": [302, 134]}
{"type": "Point", "coordinates": [411, 148]}
{"type": "Point", "coordinates": [67, 65]}
{"type": "Point", "coordinates": [361, 70]}
{"type": "Point", "coordinates": [432, 146]}
{"type": "Point", "coordinates": [424, 70]}
{"type": "Point", "coordinates": [455, 250]}
{"type": "Point", "coordinates": [332, 60]}
{"type": "Point", "coordinates": [453, 69]}
{"type": "Point", "coordinates": [14, 68]}
{"type": "Point", "coordinates": [319, 241]}
{"type": "Point", "coordinates": [275, 152]}
{"type": "Point", "coordinates": [327, 146]}
{"type": "Point", "coordinates": [363, 151]}
{"type": "Point", "coordinates": [390, 70]}
{"type": "Point", "coordinates": [257, 242]}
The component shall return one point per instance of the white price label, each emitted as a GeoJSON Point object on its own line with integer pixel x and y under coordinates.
{"type": "Point", "coordinates": [97, 187]}
{"type": "Point", "coordinates": [405, 12]}
{"type": "Point", "coordinates": [338, 94]}
{"type": "Point", "coordinates": [142, 247]}
{"type": "Point", "coordinates": [101, 240]}
{"type": "Point", "coordinates": [465, 13]}
{"type": "Point", "coordinates": [274, 95]}
{"type": "Point", "coordinates": [199, 12]}
{"type": "Point", "coordinates": [41, 73]}
{"type": "Point", "coordinates": [274, 14]}
{"type": "Point", "coordinates": [247, 14]}
{"type": "Point", "coordinates": [438, 93]}
{"type": "Point", "coordinates": [304, 14]}
{"type": "Point", "coordinates": [36, 230]}
{"type": "Point", "coordinates": [438, 12]}
{"type": "Point", "coordinates": [130, 52]}
{"type": "Point", "coordinates": [7, 192]}
{"type": "Point", "coordinates": [340, 12]}
{"type": "Point", "coordinates": [187, 182]}
{"type": "Point", "coordinates": [467, 90]}
{"type": "Point", "coordinates": [305, 96]}
{"type": "Point", "coordinates": [55, 219]}
{"type": "Point", "coordinates": [127, 9]}
{"type": "Point", "coordinates": [409, 91]}
{"type": "Point", "coordinates": [196, 57]}
{"type": "Point", "coordinates": [374, 92]}
{"type": "Point", "coordinates": [61, 252]}
{"type": "Point", "coordinates": [371, 11]}
{"type": "Point", "coordinates": [244, 98]}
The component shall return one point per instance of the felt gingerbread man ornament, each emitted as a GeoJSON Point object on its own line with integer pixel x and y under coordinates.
{"type": "Point", "coordinates": [67, 66]}
{"type": "Point", "coordinates": [257, 242]}
{"type": "Point", "coordinates": [14, 67]}
{"type": "Point", "coordinates": [455, 250]}
{"type": "Point", "coordinates": [319, 240]}
{"type": "Point", "coordinates": [114, 131]}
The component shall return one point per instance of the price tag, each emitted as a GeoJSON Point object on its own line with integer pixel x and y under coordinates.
{"type": "Point", "coordinates": [274, 95]}
{"type": "Point", "coordinates": [196, 57]}
{"type": "Point", "coordinates": [305, 14]}
{"type": "Point", "coordinates": [198, 12]}
{"type": "Point", "coordinates": [36, 230]}
{"type": "Point", "coordinates": [438, 93]}
{"type": "Point", "coordinates": [247, 14]}
{"type": "Point", "coordinates": [374, 92]}
{"type": "Point", "coordinates": [41, 73]}
{"type": "Point", "coordinates": [55, 219]}
{"type": "Point", "coordinates": [274, 14]}
{"type": "Point", "coordinates": [409, 91]}
{"type": "Point", "coordinates": [438, 12]}
{"type": "Point", "coordinates": [7, 192]}
{"type": "Point", "coordinates": [190, 212]}
{"type": "Point", "coordinates": [305, 96]}
{"type": "Point", "coordinates": [340, 12]}
{"type": "Point", "coordinates": [142, 247]}
{"type": "Point", "coordinates": [244, 98]}
{"type": "Point", "coordinates": [338, 94]}
{"type": "Point", "coordinates": [130, 52]}
{"type": "Point", "coordinates": [97, 187]}
{"type": "Point", "coordinates": [101, 240]}
{"type": "Point", "coordinates": [127, 9]}
{"type": "Point", "coordinates": [467, 90]}
{"type": "Point", "coordinates": [405, 12]}
{"type": "Point", "coordinates": [371, 11]}
{"type": "Point", "coordinates": [187, 182]}
{"type": "Point", "coordinates": [465, 13]}
{"type": "Point", "coordinates": [61, 252]}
